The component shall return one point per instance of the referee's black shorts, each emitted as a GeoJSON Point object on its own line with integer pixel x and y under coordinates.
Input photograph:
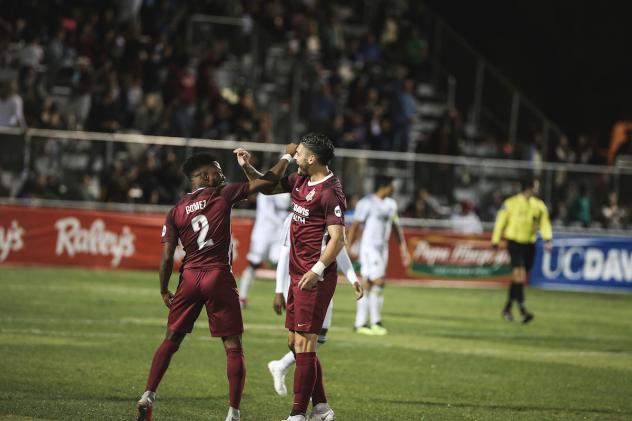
{"type": "Point", "coordinates": [521, 254]}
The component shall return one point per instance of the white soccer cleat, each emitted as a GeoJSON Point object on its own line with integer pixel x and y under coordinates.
{"type": "Point", "coordinates": [144, 406]}
{"type": "Point", "coordinates": [233, 414]}
{"type": "Point", "coordinates": [278, 375]}
{"type": "Point", "coordinates": [322, 412]}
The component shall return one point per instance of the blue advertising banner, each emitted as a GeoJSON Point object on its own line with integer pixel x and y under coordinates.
{"type": "Point", "coordinates": [584, 262]}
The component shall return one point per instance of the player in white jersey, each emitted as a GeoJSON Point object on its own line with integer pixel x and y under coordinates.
{"type": "Point", "coordinates": [265, 239]}
{"type": "Point", "coordinates": [278, 368]}
{"type": "Point", "coordinates": [377, 212]}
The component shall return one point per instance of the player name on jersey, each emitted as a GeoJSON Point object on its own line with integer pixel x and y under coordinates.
{"type": "Point", "coordinates": [195, 206]}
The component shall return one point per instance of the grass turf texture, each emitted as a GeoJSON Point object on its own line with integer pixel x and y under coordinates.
{"type": "Point", "coordinates": [77, 345]}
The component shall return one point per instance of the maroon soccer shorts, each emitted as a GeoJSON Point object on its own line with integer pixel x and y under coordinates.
{"type": "Point", "coordinates": [217, 290]}
{"type": "Point", "coordinates": [305, 310]}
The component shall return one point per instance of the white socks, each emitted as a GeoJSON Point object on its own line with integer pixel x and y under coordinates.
{"type": "Point", "coordinates": [148, 397]}
{"type": "Point", "coordinates": [246, 281]}
{"type": "Point", "coordinates": [233, 414]}
{"type": "Point", "coordinates": [362, 311]}
{"type": "Point", "coordinates": [376, 302]}
{"type": "Point", "coordinates": [287, 360]}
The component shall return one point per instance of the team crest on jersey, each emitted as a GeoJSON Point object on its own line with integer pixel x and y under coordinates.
{"type": "Point", "coordinates": [310, 195]}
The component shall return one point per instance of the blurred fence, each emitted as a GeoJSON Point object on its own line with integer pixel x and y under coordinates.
{"type": "Point", "coordinates": [70, 156]}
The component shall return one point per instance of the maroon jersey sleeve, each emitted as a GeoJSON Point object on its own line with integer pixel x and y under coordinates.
{"type": "Point", "coordinates": [289, 182]}
{"type": "Point", "coordinates": [234, 192]}
{"type": "Point", "coordinates": [169, 230]}
{"type": "Point", "coordinates": [334, 206]}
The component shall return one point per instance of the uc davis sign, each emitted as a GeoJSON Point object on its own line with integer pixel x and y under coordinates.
{"type": "Point", "coordinates": [585, 262]}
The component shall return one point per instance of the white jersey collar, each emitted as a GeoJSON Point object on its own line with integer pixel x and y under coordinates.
{"type": "Point", "coordinates": [201, 188]}
{"type": "Point", "coordinates": [310, 183]}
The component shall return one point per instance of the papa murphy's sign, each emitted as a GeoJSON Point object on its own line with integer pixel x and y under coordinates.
{"type": "Point", "coordinates": [585, 262]}
{"type": "Point", "coordinates": [86, 238]}
{"type": "Point", "coordinates": [447, 255]}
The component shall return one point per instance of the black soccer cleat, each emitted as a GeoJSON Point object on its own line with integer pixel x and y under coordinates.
{"type": "Point", "coordinates": [527, 318]}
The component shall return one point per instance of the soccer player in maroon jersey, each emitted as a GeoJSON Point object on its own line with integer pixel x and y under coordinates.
{"type": "Point", "coordinates": [201, 221]}
{"type": "Point", "coordinates": [318, 206]}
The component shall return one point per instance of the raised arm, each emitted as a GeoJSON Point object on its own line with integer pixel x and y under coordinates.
{"type": "Point", "coordinates": [268, 183]}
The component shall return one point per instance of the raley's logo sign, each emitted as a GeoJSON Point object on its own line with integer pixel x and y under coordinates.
{"type": "Point", "coordinates": [73, 239]}
{"type": "Point", "coordinates": [10, 239]}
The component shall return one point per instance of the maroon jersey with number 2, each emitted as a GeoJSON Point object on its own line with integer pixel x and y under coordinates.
{"type": "Point", "coordinates": [314, 207]}
{"type": "Point", "coordinates": [201, 221]}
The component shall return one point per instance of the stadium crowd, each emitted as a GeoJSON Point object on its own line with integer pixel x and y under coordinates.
{"type": "Point", "coordinates": [126, 67]}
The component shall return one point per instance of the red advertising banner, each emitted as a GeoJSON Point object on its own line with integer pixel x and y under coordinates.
{"type": "Point", "coordinates": [96, 239]}
{"type": "Point", "coordinates": [112, 240]}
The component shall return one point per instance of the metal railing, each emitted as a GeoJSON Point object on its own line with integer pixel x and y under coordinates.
{"type": "Point", "coordinates": [493, 104]}
{"type": "Point", "coordinates": [484, 181]}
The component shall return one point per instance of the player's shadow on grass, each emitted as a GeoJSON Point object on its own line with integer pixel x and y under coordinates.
{"type": "Point", "coordinates": [517, 408]}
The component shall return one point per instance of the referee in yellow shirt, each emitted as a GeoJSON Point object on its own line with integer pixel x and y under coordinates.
{"type": "Point", "coordinates": [518, 221]}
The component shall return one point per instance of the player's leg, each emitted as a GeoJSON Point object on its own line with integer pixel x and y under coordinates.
{"type": "Point", "coordinates": [361, 324]}
{"type": "Point", "coordinates": [308, 312]}
{"type": "Point", "coordinates": [518, 277]}
{"type": "Point", "coordinates": [529, 257]}
{"type": "Point", "coordinates": [376, 303]}
{"type": "Point", "coordinates": [236, 373]}
{"type": "Point", "coordinates": [185, 309]}
{"type": "Point", "coordinates": [159, 365]}
{"type": "Point", "coordinates": [225, 321]}
{"type": "Point", "coordinates": [245, 281]}
{"type": "Point", "coordinates": [305, 372]}
{"type": "Point", "coordinates": [278, 368]}
{"type": "Point", "coordinates": [377, 271]}
{"type": "Point", "coordinates": [362, 305]}
{"type": "Point", "coordinates": [322, 336]}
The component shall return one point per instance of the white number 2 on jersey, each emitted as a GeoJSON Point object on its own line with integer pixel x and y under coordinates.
{"type": "Point", "coordinates": [200, 223]}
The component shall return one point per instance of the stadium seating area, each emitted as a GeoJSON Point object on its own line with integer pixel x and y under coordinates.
{"type": "Point", "coordinates": [363, 78]}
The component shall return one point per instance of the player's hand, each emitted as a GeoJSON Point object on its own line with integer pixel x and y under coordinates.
{"type": "Point", "coordinates": [359, 291]}
{"type": "Point", "coordinates": [167, 297]}
{"type": "Point", "coordinates": [243, 156]}
{"type": "Point", "coordinates": [291, 148]}
{"type": "Point", "coordinates": [278, 304]}
{"type": "Point", "coordinates": [548, 246]}
{"type": "Point", "coordinates": [308, 281]}
{"type": "Point", "coordinates": [405, 256]}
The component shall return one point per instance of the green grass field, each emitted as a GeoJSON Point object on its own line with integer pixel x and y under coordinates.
{"type": "Point", "coordinates": [77, 344]}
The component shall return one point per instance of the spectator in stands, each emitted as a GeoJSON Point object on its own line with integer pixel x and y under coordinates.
{"type": "Point", "coordinates": [424, 206]}
{"type": "Point", "coordinates": [11, 105]}
{"type": "Point", "coordinates": [466, 220]}
{"type": "Point", "coordinates": [613, 215]}
{"type": "Point", "coordinates": [581, 208]}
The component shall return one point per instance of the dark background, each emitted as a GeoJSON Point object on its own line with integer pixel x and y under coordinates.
{"type": "Point", "coordinates": [573, 59]}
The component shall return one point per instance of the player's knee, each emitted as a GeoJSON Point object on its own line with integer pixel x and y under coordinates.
{"type": "Point", "coordinates": [379, 282]}
{"type": "Point", "coordinates": [232, 342]}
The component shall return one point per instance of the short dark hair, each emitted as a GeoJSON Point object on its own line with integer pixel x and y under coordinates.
{"type": "Point", "coordinates": [320, 145]}
{"type": "Point", "coordinates": [196, 161]}
{"type": "Point", "coordinates": [527, 183]}
{"type": "Point", "coordinates": [382, 181]}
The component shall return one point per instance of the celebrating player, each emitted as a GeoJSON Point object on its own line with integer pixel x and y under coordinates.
{"type": "Point", "coordinates": [265, 240]}
{"type": "Point", "coordinates": [201, 221]}
{"type": "Point", "coordinates": [318, 205]}
{"type": "Point", "coordinates": [278, 368]}
{"type": "Point", "coordinates": [519, 219]}
{"type": "Point", "coordinates": [377, 211]}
